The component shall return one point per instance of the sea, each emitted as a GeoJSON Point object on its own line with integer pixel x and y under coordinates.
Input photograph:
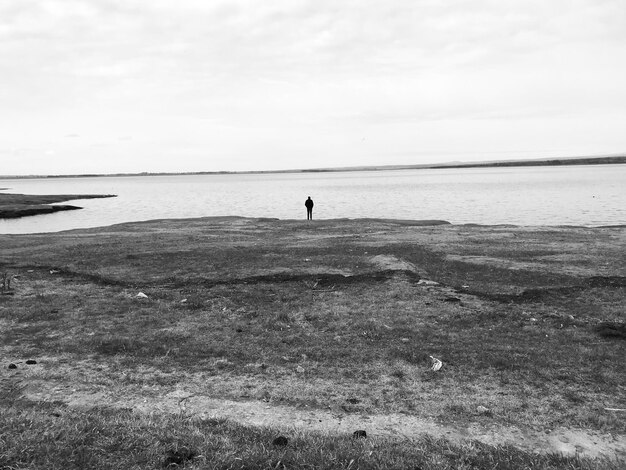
{"type": "Point", "coordinates": [579, 195]}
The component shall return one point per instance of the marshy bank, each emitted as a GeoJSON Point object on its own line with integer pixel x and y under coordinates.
{"type": "Point", "coordinates": [314, 330]}
{"type": "Point", "coordinates": [14, 206]}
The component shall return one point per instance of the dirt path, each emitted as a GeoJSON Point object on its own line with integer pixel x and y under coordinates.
{"type": "Point", "coordinates": [285, 419]}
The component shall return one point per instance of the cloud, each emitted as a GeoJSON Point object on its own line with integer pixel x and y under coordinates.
{"type": "Point", "coordinates": [118, 67]}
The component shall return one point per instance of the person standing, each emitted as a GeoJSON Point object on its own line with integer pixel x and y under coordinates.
{"type": "Point", "coordinates": [309, 208]}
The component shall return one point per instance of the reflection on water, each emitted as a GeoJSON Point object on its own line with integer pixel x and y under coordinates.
{"type": "Point", "coordinates": [565, 195]}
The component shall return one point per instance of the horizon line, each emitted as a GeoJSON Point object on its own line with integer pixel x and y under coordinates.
{"type": "Point", "coordinates": [541, 161]}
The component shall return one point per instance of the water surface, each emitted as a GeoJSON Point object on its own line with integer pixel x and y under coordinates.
{"type": "Point", "coordinates": [589, 195]}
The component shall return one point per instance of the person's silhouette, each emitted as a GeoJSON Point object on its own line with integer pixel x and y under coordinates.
{"type": "Point", "coordinates": [309, 208]}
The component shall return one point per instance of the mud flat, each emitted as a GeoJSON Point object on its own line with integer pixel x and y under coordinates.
{"type": "Point", "coordinates": [185, 333]}
{"type": "Point", "coordinates": [13, 206]}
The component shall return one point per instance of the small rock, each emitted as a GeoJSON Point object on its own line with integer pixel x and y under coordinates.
{"type": "Point", "coordinates": [427, 282]}
{"type": "Point", "coordinates": [183, 301]}
{"type": "Point", "coordinates": [337, 338]}
{"type": "Point", "coordinates": [30, 271]}
{"type": "Point", "coordinates": [30, 362]}
{"type": "Point", "coordinates": [141, 295]}
{"type": "Point", "coordinates": [404, 340]}
{"type": "Point", "coordinates": [533, 319]}
{"type": "Point", "coordinates": [360, 434]}
{"type": "Point", "coordinates": [176, 458]}
{"type": "Point", "coordinates": [280, 441]}
{"type": "Point", "coordinates": [300, 370]}
{"type": "Point", "coordinates": [482, 410]}
{"type": "Point", "coordinates": [12, 366]}
{"type": "Point", "coordinates": [54, 271]}
{"type": "Point", "coordinates": [571, 317]}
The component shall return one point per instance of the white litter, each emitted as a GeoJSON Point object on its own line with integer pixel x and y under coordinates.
{"type": "Point", "coordinates": [141, 295]}
{"type": "Point", "coordinates": [436, 364]}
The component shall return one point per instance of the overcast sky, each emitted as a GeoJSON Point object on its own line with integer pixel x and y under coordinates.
{"type": "Point", "coordinates": [99, 86]}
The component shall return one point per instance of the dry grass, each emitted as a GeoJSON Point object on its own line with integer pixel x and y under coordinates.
{"type": "Point", "coordinates": [51, 436]}
{"type": "Point", "coordinates": [370, 340]}
{"type": "Point", "coordinates": [242, 309]}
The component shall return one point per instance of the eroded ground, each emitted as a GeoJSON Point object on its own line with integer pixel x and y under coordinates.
{"type": "Point", "coordinates": [329, 325]}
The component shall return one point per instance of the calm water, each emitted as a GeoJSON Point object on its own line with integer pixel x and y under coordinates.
{"type": "Point", "coordinates": [570, 195]}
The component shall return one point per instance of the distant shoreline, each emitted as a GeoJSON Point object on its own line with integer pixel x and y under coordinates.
{"type": "Point", "coordinates": [605, 160]}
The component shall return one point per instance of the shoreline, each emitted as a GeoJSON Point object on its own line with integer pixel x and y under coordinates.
{"type": "Point", "coordinates": [314, 223]}
{"type": "Point", "coordinates": [15, 206]}
{"type": "Point", "coordinates": [567, 161]}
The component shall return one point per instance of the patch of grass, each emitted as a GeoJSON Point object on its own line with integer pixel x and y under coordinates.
{"type": "Point", "coordinates": [53, 436]}
{"type": "Point", "coordinates": [371, 331]}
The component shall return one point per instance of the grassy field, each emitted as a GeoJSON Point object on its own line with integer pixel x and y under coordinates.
{"type": "Point", "coordinates": [313, 330]}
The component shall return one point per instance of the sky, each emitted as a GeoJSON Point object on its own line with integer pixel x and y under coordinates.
{"type": "Point", "coordinates": [115, 86]}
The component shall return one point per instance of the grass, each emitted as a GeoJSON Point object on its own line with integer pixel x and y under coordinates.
{"type": "Point", "coordinates": [52, 436]}
{"type": "Point", "coordinates": [348, 340]}
{"type": "Point", "coordinates": [235, 311]}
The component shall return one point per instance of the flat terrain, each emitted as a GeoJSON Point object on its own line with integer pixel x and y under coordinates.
{"type": "Point", "coordinates": [317, 329]}
{"type": "Point", "coordinates": [13, 206]}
